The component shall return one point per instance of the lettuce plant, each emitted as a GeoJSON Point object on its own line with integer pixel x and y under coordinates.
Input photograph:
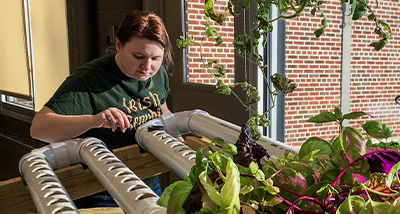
{"type": "Point", "coordinates": [342, 175]}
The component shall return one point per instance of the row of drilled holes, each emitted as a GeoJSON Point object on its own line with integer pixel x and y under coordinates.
{"type": "Point", "coordinates": [47, 179]}
{"type": "Point", "coordinates": [113, 160]}
{"type": "Point", "coordinates": [168, 140]}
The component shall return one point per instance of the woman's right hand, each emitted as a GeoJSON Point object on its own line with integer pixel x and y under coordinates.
{"type": "Point", "coordinates": [49, 126]}
{"type": "Point", "coordinates": [113, 118]}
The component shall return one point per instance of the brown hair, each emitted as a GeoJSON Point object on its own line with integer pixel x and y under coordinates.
{"type": "Point", "coordinates": [144, 24]}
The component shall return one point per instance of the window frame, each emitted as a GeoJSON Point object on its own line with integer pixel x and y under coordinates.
{"type": "Point", "coordinates": [13, 108]}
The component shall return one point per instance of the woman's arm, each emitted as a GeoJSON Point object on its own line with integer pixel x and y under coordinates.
{"type": "Point", "coordinates": [164, 108]}
{"type": "Point", "coordinates": [49, 126]}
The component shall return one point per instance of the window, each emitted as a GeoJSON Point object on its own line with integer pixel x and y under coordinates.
{"type": "Point", "coordinates": [28, 104]}
{"type": "Point", "coordinates": [18, 89]}
{"type": "Point", "coordinates": [35, 31]}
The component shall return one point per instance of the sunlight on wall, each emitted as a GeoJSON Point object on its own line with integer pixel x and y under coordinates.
{"type": "Point", "coordinates": [13, 61]}
{"type": "Point", "coordinates": [50, 47]}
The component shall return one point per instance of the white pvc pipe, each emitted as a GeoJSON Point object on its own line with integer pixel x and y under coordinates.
{"type": "Point", "coordinates": [200, 123]}
{"type": "Point", "coordinates": [156, 136]}
{"type": "Point", "coordinates": [178, 123]}
{"type": "Point", "coordinates": [176, 155]}
{"type": "Point", "coordinates": [49, 195]}
{"type": "Point", "coordinates": [128, 190]}
{"type": "Point", "coordinates": [210, 127]}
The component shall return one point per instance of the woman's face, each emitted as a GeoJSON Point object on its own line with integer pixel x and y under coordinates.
{"type": "Point", "coordinates": [139, 58]}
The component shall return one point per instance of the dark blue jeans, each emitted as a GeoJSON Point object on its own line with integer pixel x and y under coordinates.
{"type": "Point", "coordinates": [104, 199]}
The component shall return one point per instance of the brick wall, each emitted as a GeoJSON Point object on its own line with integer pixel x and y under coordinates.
{"type": "Point", "coordinates": [375, 75]}
{"type": "Point", "coordinates": [315, 64]}
{"type": "Point", "coordinates": [224, 53]}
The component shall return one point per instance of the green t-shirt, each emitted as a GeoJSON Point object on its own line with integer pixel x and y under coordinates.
{"type": "Point", "coordinates": [100, 84]}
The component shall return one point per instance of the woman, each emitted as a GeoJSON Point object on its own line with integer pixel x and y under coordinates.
{"type": "Point", "coordinates": [110, 97]}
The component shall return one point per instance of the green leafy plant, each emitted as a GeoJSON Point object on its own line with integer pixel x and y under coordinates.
{"type": "Point", "coordinates": [247, 46]}
{"type": "Point", "coordinates": [341, 175]}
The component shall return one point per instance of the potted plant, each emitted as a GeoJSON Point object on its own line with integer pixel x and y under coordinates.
{"type": "Point", "coordinates": [347, 174]}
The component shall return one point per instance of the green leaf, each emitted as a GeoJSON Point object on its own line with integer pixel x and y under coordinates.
{"type": "Point", "coordinates": [164, 198]}
{"type": "Point", "coordinates": [330, 175]}
{"type": "Point", "coordinates": [358, 14]}
{"type": "Point", "coordinates": [379, 208]}
{"type": "Point", "coordinates": [230, 148]}
{"type": "Point", "coordinates": [218, 141]}
{"type": "Point", "coordinates": [313, 11]}
{"type": "Point", "coordinates": [208, 6]}
{"type": "Point", "coordinates": [222, 88]}
{"type": "Point", "coordinates": [182, 42]}
{"type": "Point", "coordinates": [392, 173]}
{"type": "Point", "coordinates": [211, 62]}
{"type": "Point", "coordinates": [209, 187]}
{"type": "Point", "coordinates": [220, 70]}
{"type": "Point", "coordinates": [319, 32]}
{"type": "Point", "coordinates": [354, 142]}
{"type": "Point", "coordinates": [177, 196]}
{"type": "Point", "coordinates": [199, 156]}
{"type": "Point", "coordinates": [283, 83]}
{"type": "Point", "coordinates": [253, 167]}
{"type": "Point", "coordinates": [242, 45]}
{"type": "Point", "coordinates": [199, 167]}
{"type": "Point", "coordinates": [301, 167]}
{"type": "Point", "coordinates": [195, 172]}
{"type": "Point", "coordinates": [387, 28]}
{"type": "Point", "coordinates": [315, 146]}
{"type": "Point", "coordinates": [210, 32]}
{"type": "Point", "coordinates": [379, 45]}
{"type": "Point", "coordinates": [256, 34]}
{"type": "Point", "coordinates": [324, 22]}
{"type": "Point", "coordinates": [273, 201]}
{"type": "Point", "coordinates": [323, 117]}
{"type": "Point", "coordinates": [369, 142]}
{"type": "Point", "coordinates": [246, 189]}
{"type": "Point", "coordinates": [338, 143]}
{"type": "Point", "coordinates": [377, 129]}
{"type": "Point", "coordinates": [216, 158]}
{"type": "Point", "coordinates": [268, 186]}
{"type": "Point", "coordinates": [218, 41]}
{"type": "Point", "coordinates": [353, 115]}
{"type": "Point", "coordinates": [259, 175]}
{"type": "Point", "coordinates": [352, 204]}
{"type": "Point", "coordinates": [338, 113]}
{"type": "Point", "coordinates": [283, 6]}
{"type": "Point", "coordinates": [387, 132]}
{"type": "Point", "coordinates": [231, 189]}
{"type": "Point", "coordinates": [353, 5]}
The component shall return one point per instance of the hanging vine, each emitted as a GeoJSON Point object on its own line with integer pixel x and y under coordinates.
{"type": "Point", "coordinates": [246, 46]}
